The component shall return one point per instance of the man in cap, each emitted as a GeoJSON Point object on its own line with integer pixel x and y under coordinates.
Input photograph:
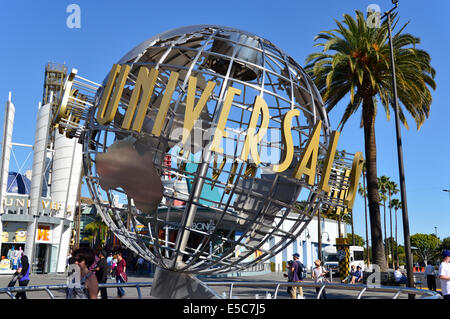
{"type": "Point", "coordinates": [296, 267]}
{"type": "Point", "coordinates": [444, 274]}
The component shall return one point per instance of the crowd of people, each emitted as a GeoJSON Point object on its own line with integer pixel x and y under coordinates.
{"type": "Point", "coordinates": [105, 266]}
{"type": "Point", "coordinates": [296, 273]}
{"type": "Point", "coordinates": [94, 268]}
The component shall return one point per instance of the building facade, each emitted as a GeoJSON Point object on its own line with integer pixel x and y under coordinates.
{"type": "Point", "coordinates": [36, 216]}
{"type": "Point", "coordinates": [307, 244]}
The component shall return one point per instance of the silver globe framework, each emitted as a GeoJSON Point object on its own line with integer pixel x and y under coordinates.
{"type": "Point", "coordinates": [246, 207]}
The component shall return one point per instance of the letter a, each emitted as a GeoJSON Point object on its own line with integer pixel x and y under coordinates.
{"type": "Point", "coordinates": [309, 156]}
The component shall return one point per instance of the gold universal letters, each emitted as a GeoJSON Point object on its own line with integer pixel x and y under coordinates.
{"type": "Point", "coordinates": [308, 162]}
{"type": "Point", "coordinates": [142, 92]}
{"type": "Point", "coordinates": [323, 185]}
{"type": "Point", "coordinates": [357, 167]}
{"type": "Point", "coordinates": [164, 107]}
{"type": "Point", "coordinates": [287, 139]}
{"type": "Point", "coordinates": [137, 109]}
{"type": "Point", "coordinates": [108, 105]}
{"type": "Point", "coordinates": [192, 113]}
{"type": "Point", "coordinates": [252, 140]}
{"type": "Point", "coordinates": [220, 129]}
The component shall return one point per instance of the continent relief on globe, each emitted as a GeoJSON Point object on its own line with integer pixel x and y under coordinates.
{"type": "Point", "coordinates": [122, 166]}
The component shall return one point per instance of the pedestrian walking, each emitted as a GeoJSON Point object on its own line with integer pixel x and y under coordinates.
{"type": "Point", "coordinates": [109, 260]}
{"type": "Point", "coordinates": [318, 275]}
{"type": "Point", "coordinates": [24, 276]}
{"type": "Point", "coordinates": [114, 266]}
{"type": "Point", "coordinates": [297, 270]}
{"type": "Point", "coordinates": [140, 265]}
{"type": "Point", "coordinates": [87, 286]}
{"type": "Point", "coordinates": [444, 274]}
{"type": "Point", "coordinates": [102, 272]}
{"type": "Point", "coordinates": [430, 274]}
{"type": "Point", "coordinates": [121, 275]}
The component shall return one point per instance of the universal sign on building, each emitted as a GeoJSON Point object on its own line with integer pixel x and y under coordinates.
{"type": "Point", "coordinates": [138, 107]}
{"type": "Point", "coordinates": [21, 202]}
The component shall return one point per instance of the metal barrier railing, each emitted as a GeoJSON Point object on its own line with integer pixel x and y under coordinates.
{"type": "Point", "coordinates": [362, 289]}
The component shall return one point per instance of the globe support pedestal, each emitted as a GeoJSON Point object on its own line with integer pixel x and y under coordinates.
{"type": "Point", "coordinates": [174, 285]}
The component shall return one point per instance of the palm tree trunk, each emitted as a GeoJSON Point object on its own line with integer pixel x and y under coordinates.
{"type": "Point", "coordinates": [386, 243]}
{"type": "Point", "coordinates": [390, 219]}
{"type": "Point", "coordinates": [378, 256]}
{"type": "Point", "coordinates": [396, 248]}
{"type": "Point", "coordinates": [365, 211]}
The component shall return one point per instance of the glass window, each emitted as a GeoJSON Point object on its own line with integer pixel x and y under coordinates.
{"type": "Point", "coordinates": [358, 255]}
{"type": "Point", "coordinates": [330, 258]}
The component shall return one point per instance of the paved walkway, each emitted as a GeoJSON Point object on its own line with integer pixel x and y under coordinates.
{"type": "Point", "coordinates": [240, 292]}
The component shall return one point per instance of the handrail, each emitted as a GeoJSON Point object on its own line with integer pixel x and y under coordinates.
{"type": "Point", "coordinates": [424, 294]}
{"type": "Point", "coordinates": [397, 291]}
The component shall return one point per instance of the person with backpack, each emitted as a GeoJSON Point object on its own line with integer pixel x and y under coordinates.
{"type": "Point", "coordinates": [297, 276]}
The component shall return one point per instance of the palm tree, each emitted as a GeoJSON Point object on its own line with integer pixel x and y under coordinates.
{"type": "Point", "coordinates": [362, 190]}
{"type": "Point", "coordinates": [382, 188]}
{"type": "Point", "coordinates": [355, 61]}
{"type": "Point", "coordinates": [392, 189]}
{"type": "Point", "coordinates": [396, 204]}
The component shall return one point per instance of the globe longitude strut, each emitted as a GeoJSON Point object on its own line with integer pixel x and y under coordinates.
{"type": "Point", "coordinates": [216, 139]}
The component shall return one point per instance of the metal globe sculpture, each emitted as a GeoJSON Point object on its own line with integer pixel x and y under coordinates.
{"type": "Point", "coordinates": [202, 130]}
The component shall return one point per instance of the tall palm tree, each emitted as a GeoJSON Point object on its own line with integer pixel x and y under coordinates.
{"type": "Point", "coordinates": [362, 190]}
{"type": "Point", "coordinates": [355, 61]}
{"type": "Point", "coordinates": [392, 189]}
{"type": "Point", "coordinates": [396, 204]}
{"type": "Point", "coordinates": [382, 189]}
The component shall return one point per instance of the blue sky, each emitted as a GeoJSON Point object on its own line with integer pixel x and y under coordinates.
{"type": "Point", "coordinates": [35, 32]}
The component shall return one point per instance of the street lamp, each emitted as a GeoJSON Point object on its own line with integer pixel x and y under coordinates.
{"type": "Point", "coordinates": [409, 260]}
{"type": "Point", "coordinates": [328, 236]}
{"type": "Point", "coordinates": [447, 190]}
{"type": "Point", "coordinates": [307, 236]}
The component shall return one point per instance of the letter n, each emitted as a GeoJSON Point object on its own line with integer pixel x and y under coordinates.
{"type": "Point", "coordinates": [142, 92]}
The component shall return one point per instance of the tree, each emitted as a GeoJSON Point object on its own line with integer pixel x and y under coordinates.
{"type": "Point", "coordinates": [392, 189]}
{"type": "Point", "coordinates": [445, 243]}
{"type": "Point", "coordinates": [362, 190]}
{"type": "Point", "coordinates": [396, 204]}
{"type": "Point", "coordinates": [355, 61]}
{"type": "Point", "coordinates": [359, 241]}
{"type": "Point", "coordinates": [382, 188]}
{"type": "Point", "coordinates": [97, 231]}
{"type": "Point", "coordinates": [427, 246]}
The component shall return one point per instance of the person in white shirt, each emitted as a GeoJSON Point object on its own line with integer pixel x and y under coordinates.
{"type": "Point", "coordinates": [318, 274]}
{"type": "Point", "coordinates": [444, 274]}
{"type": "Point", "coordinates": [399, 277]}
{"type": "Point", "coordinates": [430, 274]}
